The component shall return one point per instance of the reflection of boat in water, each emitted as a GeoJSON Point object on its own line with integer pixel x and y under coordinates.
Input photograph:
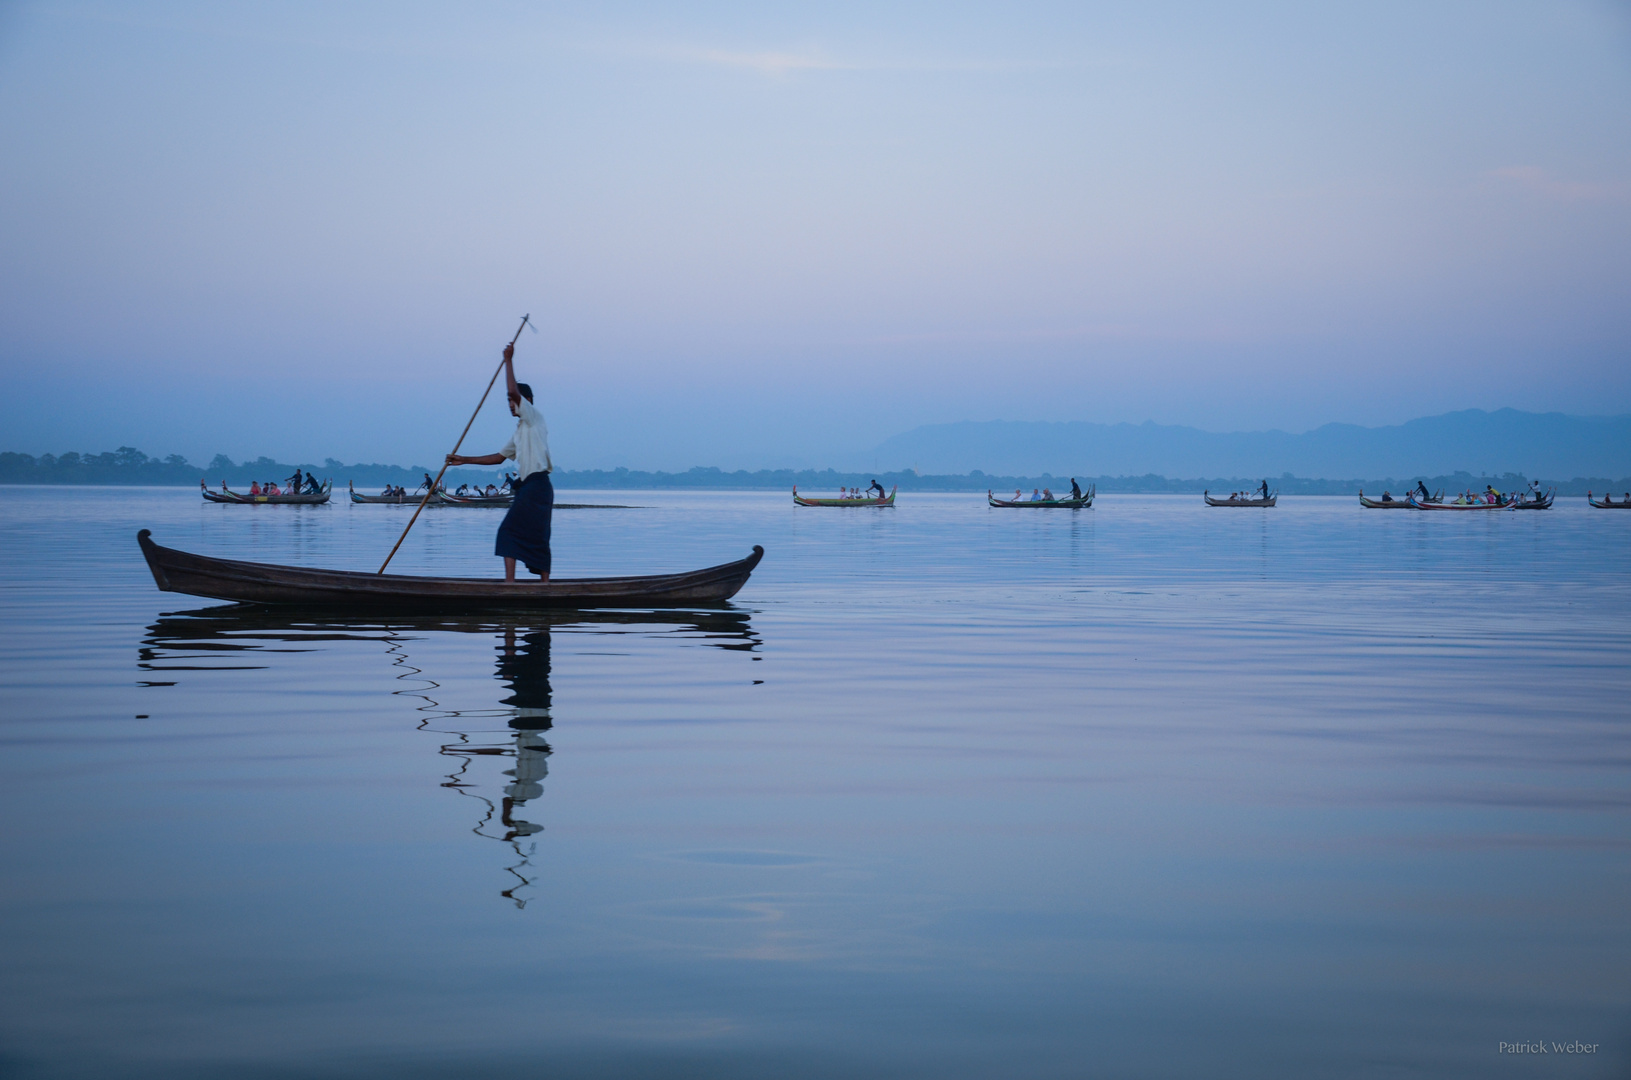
{"type": "Point", "coordinates": [236, 637]}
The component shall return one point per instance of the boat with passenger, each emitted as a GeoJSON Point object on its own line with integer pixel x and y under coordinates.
{"type": "Point", "coordinates": [1045, 499]}
{"type": "Point", "coordinates": [1242, 498]}
{"type": "Point", "coordinates": [1467, 500]}
{"type": "Point", "coordinates": [1388, 502]}
{"type": "Point", "coordinates": [393, 495]}
{"type": "Point", "coordinates": [1608, 502]}
{"type": "Point", "coordinates": [279, 497]}
{"type": "Point", "coordinates": [847, 499]}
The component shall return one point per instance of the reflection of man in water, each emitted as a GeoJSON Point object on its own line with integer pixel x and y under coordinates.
{"type": "Point", "coordinates": [525, 669]}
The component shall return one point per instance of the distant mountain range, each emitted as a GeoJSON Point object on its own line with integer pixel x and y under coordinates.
{"type": "Point", "coordinates": [1474, 441]}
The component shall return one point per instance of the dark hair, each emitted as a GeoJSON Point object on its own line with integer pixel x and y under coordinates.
{"type": "Point", "coordinates": [526, 391]}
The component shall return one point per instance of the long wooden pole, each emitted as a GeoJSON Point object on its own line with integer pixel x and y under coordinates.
{"type": "Point", "coordinates": [462, 434]}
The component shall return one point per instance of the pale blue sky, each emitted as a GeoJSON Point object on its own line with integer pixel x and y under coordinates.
{"type": "Point", "coordinates": [768, 234]}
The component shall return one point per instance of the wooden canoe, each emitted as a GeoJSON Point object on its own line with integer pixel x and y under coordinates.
{"type": "Point", "coordinates": [1085, 502]}
{"type": "Point", "coordinates": [409, 499]}
{"type": "Point", "coordinates": [800, 500]}
{"type": "Point", "coordinates": [1539, 502]}
{"type": "Point", "coordinates": [264, 583]}
{"type": "Point", "coordinates": [1207, 495]}
{"type": "Point", "coordinates": [1608, 502]}
{"type": "Point", "coordinates": [450, 499]}
{"type": "Point", "coordinates": [1504, 504]}
{"type": "Point", "coordinates": [1401, 503]}
{"type": "Point", "coordinates": [278, 500]}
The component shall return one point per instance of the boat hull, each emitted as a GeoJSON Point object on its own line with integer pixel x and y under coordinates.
{"type": "Point", "coordinates": [234, 498]}
{"type": "Point", "coordinates": [1463, 506]}
{"type": "Point", "coordinates": [800, 500]}
{"type": "Point", "coordinates": [1084, 503]}
{"type": "Point", "coordinates": [500, 501]}
{"type": "Point", "coordinates": [1270, 501]}
{"type": "Point", "coordinates": [265, 583]}
{"type": "Point", "coordinates": [394, 500]}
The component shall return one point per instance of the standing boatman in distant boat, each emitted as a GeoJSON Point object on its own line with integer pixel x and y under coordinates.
{"type": "Point", "coordinates": [524, 533]}
{"type": "Point", "coordinates": [876, 487]}
{"type": "Point", "coordinates": [1075, 489]}
{"type": "Point", "coordinates": [1264, 489]}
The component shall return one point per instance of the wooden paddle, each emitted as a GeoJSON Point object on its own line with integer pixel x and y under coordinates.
{"type": "Point", "coordinates": [434, 483]}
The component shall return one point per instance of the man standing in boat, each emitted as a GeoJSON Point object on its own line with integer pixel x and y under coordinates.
{"type": "Point", "coordinates": [524, 533]}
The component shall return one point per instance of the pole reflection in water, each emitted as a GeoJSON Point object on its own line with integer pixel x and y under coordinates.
{"type": "Point", "coordinates": [228, 638]}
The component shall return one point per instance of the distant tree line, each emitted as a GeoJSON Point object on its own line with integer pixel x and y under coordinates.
{"type": "Point", "coordinates": [127, 465]}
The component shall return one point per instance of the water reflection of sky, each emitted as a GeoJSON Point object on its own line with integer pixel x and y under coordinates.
{"type": "Point", "coordinates": [1149, 793]}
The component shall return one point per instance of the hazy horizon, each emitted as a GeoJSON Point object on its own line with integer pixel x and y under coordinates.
{"type": "Point", "coordinates": [764, 236]}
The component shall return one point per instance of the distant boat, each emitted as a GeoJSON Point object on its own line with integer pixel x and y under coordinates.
{"type": "Point", "coordinates": [225, 496]}
{"type": "Point", "coordinates": [1085, 502]}
{"type": "Point", "coordinates": [1608, 502]}
{"type": "Point", "coordinates": [265, 583]}
{"type": "Point", "coordinates": [1538, 502]}
{"type": "Point", "coordinates": [800, 500]}
{"type": "Point", "coordinates": [1507, 503]}
{"type": "Point", "coordinates": [1207, 495]}
{"type": "Point", "coordinates": [450, 499]}
{"type": "Point", "coordinates": [395, 500]}
{"type": "Point", "coordinates": [1396, 504]}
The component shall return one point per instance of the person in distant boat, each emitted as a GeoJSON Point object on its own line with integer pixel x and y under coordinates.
{"type": "Point", "coordinates": [1047, 494]}
{"type": "Point", "coordinates": [294, 481]}
{"type": "Point", "coordinates": [462, 489]}
{"type": "Point", "coordinates": [491, 491]}
{"type": "Point", "coordinates": [1036, 496]}
{"type": "Point", "coordinates": [876, 487]}
{"type": "Point", "coordinates": [1075, 489]}
{"type": "Point", "coordinates": [524, 533]}
{"type": "Point", "coordinates": [1386, 497]}
{"type": "Point", "coordinates": [1016, 495]}
{"type": "Point", "coordinates": [1265, 489]}
{"type": "Point", "coordinates": [254, 487]}
{"type": "Point", "coordinates": [1425, 494]}
{"type": "Point", "coordinates": [509, 482]}
{"type": "Point", "coordinates": [312, 486]}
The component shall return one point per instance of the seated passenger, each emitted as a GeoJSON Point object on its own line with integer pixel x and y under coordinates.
{"type": "Point", "coordinates": [254, 487]}
{"type": "Point", "coordinates": [1386, 497]}
{"type": "Point", "coordinates": [1036, 496]}
{"type": "Point", "coordinates": [1047, 495]}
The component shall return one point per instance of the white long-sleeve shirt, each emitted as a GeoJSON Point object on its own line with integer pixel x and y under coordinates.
{"type": "Point", "coordinates": [529, 446]}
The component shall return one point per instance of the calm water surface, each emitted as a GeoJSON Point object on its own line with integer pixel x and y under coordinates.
{"type": "Point", "coordinates": [1149, 790]}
